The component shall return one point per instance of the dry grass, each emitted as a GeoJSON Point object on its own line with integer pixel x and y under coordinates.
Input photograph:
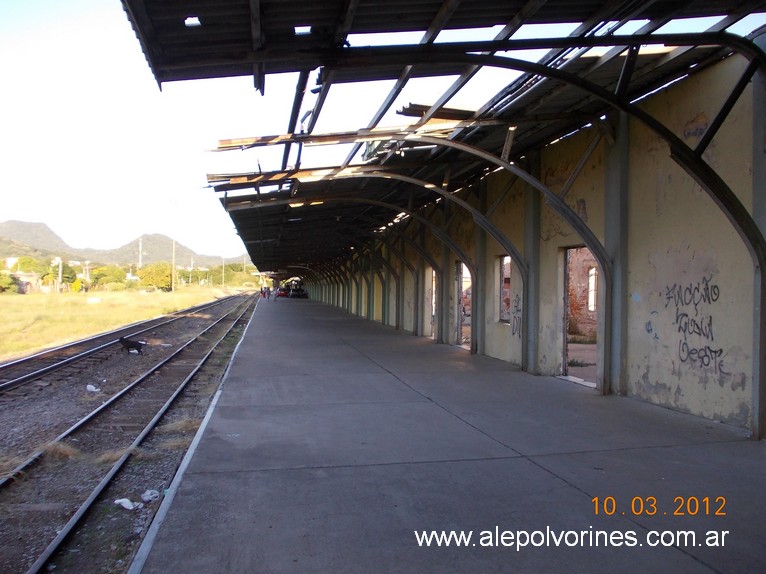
{"type": "Point", "coordinates": [62, 451]}
{"type": "Point", "coordinates": [181, 425]}
{"type": "Point", "coordinates": [8, 463]}
{"type": "Point", "coordinates": [146, 454]}
{"type": "Point", "coordinates": [111, 456]}
{"type": "Point", "coordinates": [39, 321]}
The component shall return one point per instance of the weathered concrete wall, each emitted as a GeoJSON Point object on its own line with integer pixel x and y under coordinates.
{"type": "Point", "coordinates": [691, 278]}
{"type": "Point", "coordinates": [408, 302]}
{"type": "Point", "coordinates": [503, 340]}
{"type": "Point", "coordinates": [585, 198]}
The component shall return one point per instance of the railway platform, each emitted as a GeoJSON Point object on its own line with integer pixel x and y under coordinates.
{"type": "Point", "coordinates": [339, 445]}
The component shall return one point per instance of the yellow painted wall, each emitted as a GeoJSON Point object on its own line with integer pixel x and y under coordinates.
{"type": "Point", "coordinates": [690, 309]}
{"type": "Point", "coordinates": [586, 198]}
{"type": "Point", "coordinates": [503, 340]}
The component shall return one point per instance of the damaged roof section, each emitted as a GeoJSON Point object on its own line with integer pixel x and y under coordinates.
{"type": "Point", "coordinates": [503, 77]}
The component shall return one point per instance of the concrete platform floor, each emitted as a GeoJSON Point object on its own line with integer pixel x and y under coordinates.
{"type": "Point", "coordinates": [334, 440]}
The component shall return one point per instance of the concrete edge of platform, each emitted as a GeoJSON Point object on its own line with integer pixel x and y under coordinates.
{"type": "Point", "coordinates": [139, 560]}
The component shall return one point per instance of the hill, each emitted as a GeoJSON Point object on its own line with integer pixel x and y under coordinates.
{"type": "Point", "coordinates": [37, 235]}
{"type": "Point", "coordinates": [20, 238]}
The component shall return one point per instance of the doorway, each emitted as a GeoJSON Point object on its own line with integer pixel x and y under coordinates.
{"type": "Point", "coordinates": [431, 303]}
{"type": "Point", "coordinates": [580, 315]}
{"type": "Point", "coordinates": [464, 307]}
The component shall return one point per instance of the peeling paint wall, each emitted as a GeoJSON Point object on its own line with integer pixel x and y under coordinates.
{"type": "Point", "coordinates": [690, 316]}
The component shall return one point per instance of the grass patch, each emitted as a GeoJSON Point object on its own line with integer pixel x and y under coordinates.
{"type": "Point", "coordinates": [39, 321]}
{"type": "Point", "coordinates": [8, 463]}
{"type": "Point", "coordinates": [61, 451]}
{"type": "Point", "coordinates": [111, 456]}
{"type": "Point", "coordinates": [181, 425]}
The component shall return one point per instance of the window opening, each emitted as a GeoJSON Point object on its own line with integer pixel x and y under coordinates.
{"type": "Point", "coordinates": [505, 289]}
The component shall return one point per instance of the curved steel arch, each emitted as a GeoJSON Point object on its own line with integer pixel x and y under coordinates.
{"type": "Point", "coordinates": [375, 255]}
{"type": "Point", "coordinates": [481, 220]}
{"type": "Point", "coordinates": [353, 199]}
{"type": "Point", "coordinates": [558, 204]}
{"type": "Point", "coordinates": [438, 233]}
{"type": "Point", "coordinates": [721, 194]}
{"type": "Point", "coordinates": [571, 217]}
{"type": "Point", "coordinates": [422, 252]}
{"type": "Point", "coordinates": [441, 235]}
{"type": "Point", "coordinates": [689, 160]}
{"type": "Point", "coordinates": [406, 262]}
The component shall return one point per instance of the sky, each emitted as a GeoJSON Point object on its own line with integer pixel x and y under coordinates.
{"type": "Point", "coordinates": [93, 148]}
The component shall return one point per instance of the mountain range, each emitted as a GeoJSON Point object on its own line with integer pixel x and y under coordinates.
{"type": "Point", "coordinates": [22, 238]}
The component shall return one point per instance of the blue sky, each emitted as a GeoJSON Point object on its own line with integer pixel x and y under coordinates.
{"type": "Point", "coordinates": [92, 147]}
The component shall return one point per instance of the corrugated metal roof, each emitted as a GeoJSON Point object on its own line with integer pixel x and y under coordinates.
{"type": "Point", "coordinates": [258, 38]}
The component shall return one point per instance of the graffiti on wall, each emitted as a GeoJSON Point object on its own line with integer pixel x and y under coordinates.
{"type": "Point", "coordinates": [516, 316]}
{"type": "Point", "coordinates": [692, 305]}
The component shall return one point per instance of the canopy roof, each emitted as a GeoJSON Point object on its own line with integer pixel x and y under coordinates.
{"type": "Point", "coordinates": [297, 218]}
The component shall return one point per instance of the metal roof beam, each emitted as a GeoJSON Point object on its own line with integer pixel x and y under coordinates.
{"type": "Point", "coordinates": [437, 24]}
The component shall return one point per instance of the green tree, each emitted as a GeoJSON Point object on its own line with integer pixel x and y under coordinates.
{"type": "Point", "coordinates": [7, 282]}
{"type": "Point", "coordinates": [232, 276]}
{"type": "Point", "coordinates": [68, 274]}
{"type": "Point", "coordinates": [101, 276]}
{"type": "Point", "coordinates": [156, 275]}
{"type": "Point", "coordinates": [29, 264]}
{"type": "Point", "coordinates": [194, 276]}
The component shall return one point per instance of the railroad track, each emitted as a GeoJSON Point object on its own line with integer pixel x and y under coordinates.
{"type": "Point", "coordinates": [14, 374]}
{"type": "Point", "coordinates": [45, 498]}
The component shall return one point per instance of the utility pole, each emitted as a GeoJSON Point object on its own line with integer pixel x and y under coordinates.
{"type": "Point", "coordinates": [57, 261]}
{"type": "Point", "coordinates": [173, 270]}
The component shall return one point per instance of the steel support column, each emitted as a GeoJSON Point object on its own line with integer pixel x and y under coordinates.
{"type": "Point", "coordinates": [616, 243]}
